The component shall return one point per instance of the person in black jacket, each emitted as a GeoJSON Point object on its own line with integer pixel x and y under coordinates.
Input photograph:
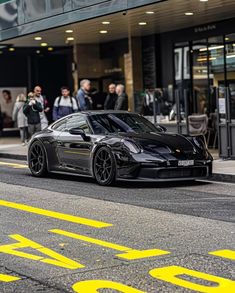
{"type": "Point", "coordinates": [111, 98]}
{"type": "Point", "coordinates": [32, 108]}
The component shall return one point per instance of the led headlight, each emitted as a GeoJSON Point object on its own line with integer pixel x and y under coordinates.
{"type": "Point", "coordinates": [132, 147]}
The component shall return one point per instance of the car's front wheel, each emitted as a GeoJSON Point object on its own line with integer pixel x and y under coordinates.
{"type": "Point", "coordinates": [37, 159]}
{"type": "Point", "coordinates": [104, 166]}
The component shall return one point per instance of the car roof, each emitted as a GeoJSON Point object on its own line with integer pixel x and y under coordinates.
{"type": "Point", "coordinates": [99, 112]}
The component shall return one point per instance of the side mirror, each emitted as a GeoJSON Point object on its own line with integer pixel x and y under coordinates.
{"type": "Point", "coordinates": [161, 128]}
{"type": "Point", "coordinates": [79, 131]}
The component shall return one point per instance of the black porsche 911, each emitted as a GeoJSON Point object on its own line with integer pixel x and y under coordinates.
{"type": "Point", "coordinates": [114, 145]}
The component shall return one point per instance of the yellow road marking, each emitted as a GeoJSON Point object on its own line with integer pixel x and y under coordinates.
{"type": "Point", "coordinates": [55, 259]}
{"type": "Point", "coordinates": [92, 286]}
{"type": "Point", "coordinates": [172, 275]}
{"type": "Point", "coordinates": [226, 253]}
{"type": "Point", "coordinates": [14, 165]}
{"type": "Point", "coordinates": [129, 253]}
{"type": "Point", "coordinates": [8, 279]}
{"type": "Point", "coordinates": [55, 215]}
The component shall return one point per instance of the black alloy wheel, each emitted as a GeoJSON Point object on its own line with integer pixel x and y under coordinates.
{"type": "Point", "coordinates": [37, 160]}
{"type": "Point", "coordinates": [104, 166]}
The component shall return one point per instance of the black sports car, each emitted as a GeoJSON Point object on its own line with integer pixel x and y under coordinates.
{"type": "Point", "coordinates": [112, 145]}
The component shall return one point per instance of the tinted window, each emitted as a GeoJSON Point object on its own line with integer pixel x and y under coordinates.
{"type": "Point", "coordinates": [122, 122]}
{"type": "Point", "coordinates": [77, 122]}
{"type": "Point", "coordinates": [60, 126]}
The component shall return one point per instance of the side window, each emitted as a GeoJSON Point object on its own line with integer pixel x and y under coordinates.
{"type": "Point", "coordinates": [60, 126]}
{"type": "Point", "coordinates": [77, 122]}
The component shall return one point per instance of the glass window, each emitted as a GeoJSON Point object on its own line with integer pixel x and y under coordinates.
{"type": "Point", "coordinates": [60, 126]}
{"type": "Point", "coordinates": [112, 123]}
{"type": "Point", "coordinates": [77, 121]}
{"type": "Point", "coordinates": [230, 66]}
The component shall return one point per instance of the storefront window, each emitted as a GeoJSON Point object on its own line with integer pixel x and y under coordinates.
{"type": "Point", "coordinates": [230, 67]}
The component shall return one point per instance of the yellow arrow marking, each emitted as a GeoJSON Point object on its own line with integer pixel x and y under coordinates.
{"type": "Point", "coordinates": [129, 253]}
{"type": "Point", "coordinates": [56, 258]}
{"type": "Point", "coordinates": [8, 279]}
{"type": "Point", "coordinates": [55, 215]}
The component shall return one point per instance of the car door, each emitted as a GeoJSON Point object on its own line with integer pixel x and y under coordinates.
{"type": "Point", "coordinates": [73, 151]}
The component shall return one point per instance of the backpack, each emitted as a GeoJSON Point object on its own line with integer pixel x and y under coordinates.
{"type": "Point", "coordinates": [71, 100]}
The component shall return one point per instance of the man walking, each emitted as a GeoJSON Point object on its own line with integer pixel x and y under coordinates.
{"type": "Point", "coordinates": [31, 110]}
{"type": "Point", "coordinates": [122, 98]}
{"type": "Point", "coordinates": [83, 98]}
{"type": "Point", "coordinates": [44, 103]}
{"type": "Point", "coordinates": [111, 98]}
{"type": "Point", "coordinates": [64, 104]}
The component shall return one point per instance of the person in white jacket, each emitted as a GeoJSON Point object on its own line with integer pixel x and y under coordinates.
{"type": "Point", "coordinates": [19, 117]}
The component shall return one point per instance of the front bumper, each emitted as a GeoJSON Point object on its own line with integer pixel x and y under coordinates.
{"type": "Point", "coordinates": [147, 173]}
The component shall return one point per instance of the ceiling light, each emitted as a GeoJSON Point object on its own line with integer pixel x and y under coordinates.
{"type": "Point", "coordinates": [203, 0]}
{"type": "Point", "coordinates": [142, 23]}
{"type": "Point", "coordinates": [230, 56]}
{"type": "Point", "coordinates": [38, 51]}
{"type": "Point", "coordinates": [188, 13]}
{"type": "Point", "coordinates": [149, 12]}
{"type": "Point", "coordinates": [103, 32]}
{"type": "Point", "coordinates": [11, 49]}
{"type": "Point", "coordinates": [69, 31]}
{"type": "Point", "coordinates": [44, 44]}
{"type": "Point", "coordinates": [50, 49]}
{"type": "Point", "coordinates": [38, 38]}
{"type": "Point", "coordinates": [105, 22]}
{"type": "Point", "coordinates": [70, 39]}
{"type": "Point", "coordinates": [211, 48]}
{"type": "Point", "coordinates": [226, 39]}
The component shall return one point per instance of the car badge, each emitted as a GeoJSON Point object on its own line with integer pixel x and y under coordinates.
{"type": "Point", "coordinates": [177, 150]}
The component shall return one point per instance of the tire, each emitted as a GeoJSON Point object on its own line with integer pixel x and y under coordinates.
{"type": "Point", "coordinates": [37, 159]}
{"type": "Point", "coordinates": [104, 167]}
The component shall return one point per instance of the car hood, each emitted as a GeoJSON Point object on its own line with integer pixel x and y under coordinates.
{"type": "Point", "coordinates": [161, 142]}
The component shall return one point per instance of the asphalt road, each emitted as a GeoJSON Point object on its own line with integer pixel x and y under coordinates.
{"type": "Point", "coordinates": [67, 234]}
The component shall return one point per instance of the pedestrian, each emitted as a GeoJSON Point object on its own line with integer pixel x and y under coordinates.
{"type": "Point", "coordinates": [122, 98]}
{"type": "Point", "coordinates": [19, 117]}
{"type": "Point", "coordinates": [44, 103]}
{"type": "Point", "coordinates": [64, 104]}
{"type": "Point", "coordinates": [83, 96]}
{"type": "Point", "coordinates": [111, 98]}
{"type": "Point", "coordinates": [32, 109]}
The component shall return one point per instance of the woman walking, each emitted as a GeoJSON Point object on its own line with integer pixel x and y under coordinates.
{"type": "Point", "coordinates": [19, 117]}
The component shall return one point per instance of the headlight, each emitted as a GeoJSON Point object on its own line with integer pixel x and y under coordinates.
{"type": "Point", "coordinates": [133, 148]}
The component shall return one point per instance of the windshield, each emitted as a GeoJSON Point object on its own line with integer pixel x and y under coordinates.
{"type": "Point", "coordinates": [120, 122]}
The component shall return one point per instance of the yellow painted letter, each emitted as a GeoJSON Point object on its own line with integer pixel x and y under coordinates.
{"type": "Point", "coordinates": [55, 259]}
{"type": "Point", "coordinates": [172, 275]}
{"type": "Point", "coordinates": [92, 286]}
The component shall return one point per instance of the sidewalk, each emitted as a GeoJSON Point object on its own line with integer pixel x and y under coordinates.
{"type": "Point", "coordinates": [223, 170]}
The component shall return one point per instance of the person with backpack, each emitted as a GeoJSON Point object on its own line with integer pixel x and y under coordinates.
{"type": "Point", "coordinates": [64, 104]}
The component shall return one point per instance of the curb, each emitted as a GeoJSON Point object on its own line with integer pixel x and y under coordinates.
{"type": "Point", "coordinates": [222, 178]}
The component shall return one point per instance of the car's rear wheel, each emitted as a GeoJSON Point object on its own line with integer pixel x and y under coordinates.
{"type": "Point", "coordinates": [104, 166]}
{"type": "Point", "coordinates": [37, 159]}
